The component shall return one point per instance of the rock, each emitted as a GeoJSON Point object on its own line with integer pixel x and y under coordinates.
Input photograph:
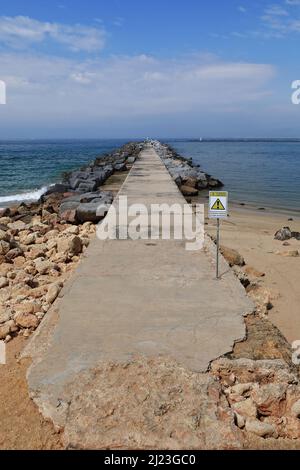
{"type": "Point", "coordinates": [4, 331]}
{"type": "Point", "coordinates": [27, 307]}
{"type": "Point", "coordinates": [19, 261]}
{"type": "Point", "coordinates": [73, 230]}
{"type": "Point", "coordinates": [4, 315]}
{"type": "Point", "coordinates": [37, 251]}
{"type": "Point", "coordinates": [28, 239]}
{"type": "Point", "coordinates": [232, 256]}
{"type": "Point", "coordinates": [69, 216]}
{"type": "Point", "coordinates": [260, 428]}
{"type": "Point", "coordinates": [189, 191]}
{"type": "Point", "coordinates": [240, 389]}
{"type": "Point", "coordinates": [295, 410]}
{"type": "Point", "coordinates": [53, 293]}
{"type": "Point", "coordinates": [269, 399]}
{"type": "Point", "coordinates": [4, 247]}
{"type": "Point", "coordinates": [3, 282]}
{"type": "Point", "coordinates": [253, 272]}
{"type": "Point", "coordinates": [26, 320]}
{"type": "Point", "coordinates": [4, 221]}
{"type": "Point", "coordinates": [239, 420]}
{"type": "Point", "coordinates": [43, 266]}
{"type": "Point", "coordinates": [261, 296]}
{"type": "Point", "coordinates": [296, 235]}
{"type": "Point", "coordinates": [4, 236]}
{"type": "Point", "coordinates": [57, 188]}
{"type": "Point", "coordinates": [71, 245]}
{"type": "Point", "coordinates": [283, 234]}
{"type": "Point", "coordinates": [191, 182]}
{"type": "Point", "coordinates": [289, 253]}
{"type": "Point", "coordinates": [14, 253]}
{"type": "Point", "coordinates": [290, 428]}
{"type": "Point", "coordinates": [89, 212]}
{"type": "Point", "coordinates": [245, 408]}
{"type": "Point", "coordinates": [17, 226]}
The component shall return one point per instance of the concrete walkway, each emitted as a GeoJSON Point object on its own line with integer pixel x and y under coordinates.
{"type": "Point", "coordinates": [130, 298]}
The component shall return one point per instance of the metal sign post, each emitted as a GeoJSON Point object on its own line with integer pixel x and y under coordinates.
{"type": "Point", "coordinates": [218, 209]}
{"type": "Point", "coordinates": [218, 248]}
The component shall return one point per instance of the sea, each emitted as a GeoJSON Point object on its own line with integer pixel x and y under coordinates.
{"type": "Point", "coordinates": [262, 173]}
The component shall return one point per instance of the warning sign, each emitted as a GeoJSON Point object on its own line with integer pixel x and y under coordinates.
{"type": "Point", "coordinates": [218, 204]}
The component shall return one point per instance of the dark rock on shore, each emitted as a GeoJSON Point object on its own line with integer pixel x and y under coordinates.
{"type": "Point", "coordinates": [285, 233]}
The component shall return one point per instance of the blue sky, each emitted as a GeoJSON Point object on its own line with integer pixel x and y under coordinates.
{"type": "Point", "coordinates": [128, 68]}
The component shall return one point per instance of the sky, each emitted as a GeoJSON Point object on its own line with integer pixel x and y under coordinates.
{"type": "Point", "coordinates": [158, 68]}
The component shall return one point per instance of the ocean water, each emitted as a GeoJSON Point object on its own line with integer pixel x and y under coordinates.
{"type": "Point", "coordinates": [27, 168]}
{"type": "Point", "coordinates": [263, 173]}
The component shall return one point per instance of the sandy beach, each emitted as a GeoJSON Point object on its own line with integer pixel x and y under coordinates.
{"type": "Point", "coordinates": [251, 232]}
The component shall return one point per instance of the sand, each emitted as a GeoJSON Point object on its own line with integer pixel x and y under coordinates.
{"type": "Point", "coordinates": [21, 425]}
{"type": "Point", "coordinates": [251, 232]}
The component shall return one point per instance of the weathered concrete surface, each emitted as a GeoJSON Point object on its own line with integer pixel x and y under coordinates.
{"type": "Point", "coordinates": [135, 298]}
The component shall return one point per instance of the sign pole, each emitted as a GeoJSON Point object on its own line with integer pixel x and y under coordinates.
{"type": "Point", "coordinates": [218, 248]}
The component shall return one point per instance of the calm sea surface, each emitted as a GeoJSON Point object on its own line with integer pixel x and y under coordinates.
{"type": "Point", "coordinates": [262, 173]}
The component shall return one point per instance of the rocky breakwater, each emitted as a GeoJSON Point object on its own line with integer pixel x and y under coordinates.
{"type": "Point", "coordinates": [84, 198]}
{"type": "Point", "coordinates": [189, 177]}
{"type": "Point", "coordinates": [41, 243]}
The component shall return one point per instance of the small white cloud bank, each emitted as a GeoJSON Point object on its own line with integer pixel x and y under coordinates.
{"type": "Point", "coordinates": [19, 32]}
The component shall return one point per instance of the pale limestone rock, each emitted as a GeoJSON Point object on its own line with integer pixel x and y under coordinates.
{"type": "Point", "coordinates": [53, 293]}
{"type": "Point", "coordinates": [26, 320]}
{"type": "Point", "coordinates": [4, 282]}
{"type": "Point", "coordinates": [295, 410]}
{"type": "Point", "coordinates": [71, 245]}
{"type": "Point", "coordinates": [260, 428]}
{"type": "Point", "coordinates": [246, 408]}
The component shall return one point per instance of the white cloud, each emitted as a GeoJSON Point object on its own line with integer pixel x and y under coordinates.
{"type": "Point", "coordinates": [242, 9]}
{"type": "Point", "coordinates": [22, 31]}
{"type": "Point", "coordinates": [43, 89]}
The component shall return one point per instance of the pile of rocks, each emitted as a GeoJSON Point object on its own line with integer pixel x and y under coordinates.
{"type": "Point", "coordinates": [37, 253]}
{"type": "Point", "coordinates": [263, 395]}
{"type": "Point", "coordinates": [82, 188]}
{"type": "Point", "coordinates": [188, 177]}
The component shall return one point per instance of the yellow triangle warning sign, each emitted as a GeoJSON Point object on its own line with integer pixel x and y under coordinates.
{"type": "Point", "coordinates": [218, 206]}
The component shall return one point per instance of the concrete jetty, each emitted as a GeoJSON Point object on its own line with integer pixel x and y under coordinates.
{"type": "Point", "coordinates": [132, 298]}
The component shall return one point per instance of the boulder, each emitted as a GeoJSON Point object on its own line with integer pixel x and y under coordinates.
{"type": "Point", "coordinates": [70, 246]}
{"type": "Point", "coordinates": [42, 266]}
{"type": "Point", "coordinates": [26, 320]}
{"type": "Point", "coordinates": [3, 282]}
{"type": "Point", "coordinates": [90, 212]}
{"type": "Point", "coordinates": [260, 428]}
{"type": "Point", "coordinates": [245, 408]}
{"type": "Point", "coordinates": [4, 236]}
{"type": "Point", "coordinates": [232, 256]}
{"type": "Point", "coordinates": [189, 191]}
{"type": "Point", "coordinates": [87, 186]}
{"type": "Point", "coordinates": [4, 331]}
{"type": "Point", "coordinates": [252, 272]}
{"type": "Point", "coordinates": [52, 293]}
{"type": "Point", "coordinates": [57, 188]}
{"type": "Point", "coordinates": [69, 216]}
{"type": "Point", "coordinates": [283, 234]}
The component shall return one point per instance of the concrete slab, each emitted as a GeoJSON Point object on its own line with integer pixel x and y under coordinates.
{"type": "Point", "coordinates": [130, 298]}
